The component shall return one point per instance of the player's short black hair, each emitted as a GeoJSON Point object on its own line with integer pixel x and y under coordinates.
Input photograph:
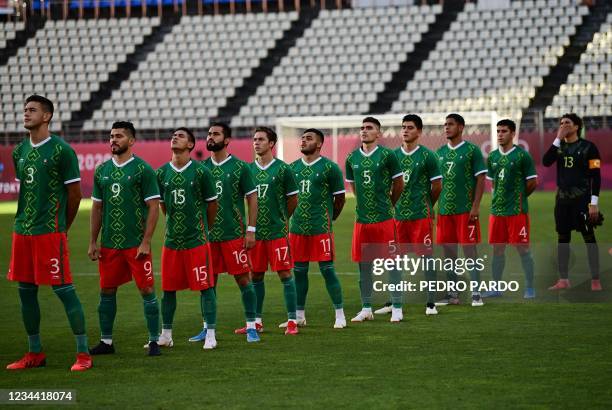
{"type": "Point", "coordinates": [190, 135]}
{"type": "Point", "coordinates": [270, 134]}
{"type": "Point", "coordinates": [418, 122]}
{"type": "Point", "coordinates": [574, 118]}
{"type": "Point", "coordinates": [372, 120]}
{"type": "Point", "coordinates": [126, 125]}
{"type": "Point", "coordinates": [315, 131]}
{"type": "Point", "coordinates": [227, 131]}
{"type": "Point", "coordinates": [458, 118]}
{"type": "Point", "coordinates": [507, 123]}
{"type": "Point", "coordinates": [45, 102]}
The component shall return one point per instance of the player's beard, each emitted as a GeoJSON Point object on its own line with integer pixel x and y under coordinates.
{"type": "Point", "coordinates": [214, 146]}
{"type": "Point", "coordinates": [307, 151]}
{"type": "Point", "coordinates": [118, 150]}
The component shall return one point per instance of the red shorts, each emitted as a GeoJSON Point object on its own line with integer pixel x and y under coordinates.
{"type": "Point", "coordinates": [312, 248]}
{"type": "Point", "coordinates": [187, 268]}
{"type": "Point", "coordinates": [118, 266]}
{"type": "Point", "coordinates": [457, 229]}
{"type": "Point", "coordinates": [40, 259]}
{"type": "Point", "coordinates": [368, 238]}
{"type": "Point", "coordinates": [509, 229]}
{"type": "Point", "coordinates": [415, 236]}
{"type": "Point", "coordinates": [275, 252]}
{"type": "Point", "coordinates": [230, 257]}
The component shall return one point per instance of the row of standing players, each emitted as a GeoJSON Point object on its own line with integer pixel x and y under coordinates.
{"type": "Point", "coordinates": [292, 204]}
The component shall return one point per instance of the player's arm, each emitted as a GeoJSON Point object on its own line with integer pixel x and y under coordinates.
{"type": "Point", "coordinates": [435, 177]}
{"type": "Point", "coordinates": [249, 239]}
{"type": "Point", "coordinates": [152, 216]}
{"type": "Point", "coordinates": [436, 188]}
{"type": "Point", "coordinates": [531, 185]}
{"type": "Point", "coordinates": [339, 201]}
{"type": "Point", "coordinates": [397, 188]}
{"type": "Point", "coordinates": [162, 206]}
{"type": "Point", "coordinates": [350, 178]}
{"type": "Point", "coordinates": [478, 191]}
{"type": "Point", "coordinates": [551, 156]}
{"type": "Point", "coordinates": [73, 202]}
{"type": "Point", "coordinates": [292, 201]}
{"type": "Point", "coordinates": [211, 212]}
{"type": "Point", "coordinates": [95, 224]}
{"type": "Point", "coordinates": [594, 172]}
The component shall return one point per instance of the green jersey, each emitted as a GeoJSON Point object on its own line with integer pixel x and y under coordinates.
{"type": "Point", "coordinates": [420, 168]}
{"type": "Point", "coordinates": [459, 165]}
{"type": "Point", "coordinates": [233, 181]}
{"type": "Point", "coordinates": [372, 175]}
{"type": "Point", "coordinates": [509, 172]}
{"type": "Point", "coordinates": [43, 171]}
{"type": "Point", "coordinates": [123, 190]}
{"type": "Point", "coordinates": [275, 182]}
{"type": "Point", "coordinates": [184, 193]}
{"type": "Point", "coordinates": [317, 182]}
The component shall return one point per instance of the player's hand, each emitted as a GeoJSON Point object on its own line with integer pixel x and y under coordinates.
{"type": "Point", "coordinates": [249, 240]}
{"type": "Point", "coordinates": [93, 252]}
{"type": "Point", "coordinates": [474, 215]}
{"type": "Point", "coordinates": [143, 250]}
{"type": "Point", "coordinates": [563, 131]}
{"type": "Point", "coordinates": [593, 213]}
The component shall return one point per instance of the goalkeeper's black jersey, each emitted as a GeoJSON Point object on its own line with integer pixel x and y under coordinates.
{"type": "Point", "coordinates": [578, 166]}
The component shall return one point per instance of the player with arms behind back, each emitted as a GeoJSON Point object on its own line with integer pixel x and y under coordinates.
{"type": "Point", "coordinates": [276, 201]}
{"type": "Point", "coordinates": [576, 203]}
{"type": "Point", "coordinates": [375, 177]}
{"type": "Point", "coordinates": [189, 201]}
{"type": "Point", "coordinates": [49, 196]}
{"type": "Point", "coordinates": [320, 201]}
{"type": "Point", "coordinates": [125, 207]}
{"type": "Point", "coordinates": [514, 178]}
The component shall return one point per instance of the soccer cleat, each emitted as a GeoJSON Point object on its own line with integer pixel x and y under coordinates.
{"type": "Point", "coordinates": [595, 285]}
{"type": "Point", "coordinates": [154, 349]}
{"type": "Point", "coordinates": [29, 361]}
{"type": "Point", "coordinates": [430, 309]}
{"type": "Point", "coordinates": [448, 300]}
{"type": "Point", "coordinates": [477, 300]}
{"type": "Point", "coordinates": [252, 335]}
{"type": "Point", "coordinates": [243, 330]}
{"type": "Point", "coordinates": [383, 310]}
{"type": "Point", "coordinates": [102, 348]}
{"type": "Point", "coordinates": [300, 322]}
{"type": "Point", "coordinates": [199, 337]}
{"type": "Point", "coordinates": [396, 315]}
{"type": "Point", "coordinates": [492, 294]}
{"type": "Point", "coordinates": [363, 315]}
{"type": "Point", "coordinates": [292, 328]}
{"type": "Point", "coordinates": [163, 341]}
{"type": "Point", "coordinates": [340, 323]}
{"type": "Point", "coordinates": [83, 362]}
{"type": "Point", "coordinates": [561, 284]}
{"type": "Point", "coordinates": [529, 293]}
{"type": "Point", "coordinates": [210, 343]}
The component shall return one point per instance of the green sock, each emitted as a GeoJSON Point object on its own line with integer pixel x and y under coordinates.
{"type": "Point", "coordinates": [168, 307]}
{"type": "Point", "coordinates": [430, 276]}
{"type": "Point", "coordinates": [208, 304]}
{"type": "Point", "coordinates": [527, 262]}
{"type": "Point", "coordinates": [365, 284]}
{"type": "Point", "coordinates": [331, 283]}
{"type": "Point", "coordinates": [260, 293]}
{"type": "Point", "coordinates": [497, 266]}
{"type": "Point", "coordinates": [395, 277]}
{"type": "Point", "coordinates": [249, 301]}
{"type": "Point", "coordinates": [300, 271]}
{"type": "Point", "coordinates": [76, 316]}
{"type": "Point", "coordinates": [151, 313]}
{"type": "Point", "coordinates": [290, 296]}
{"type": "Point", "coordinates": [30, 313]}
{"type": "Point", "coordinates": [107, 309]}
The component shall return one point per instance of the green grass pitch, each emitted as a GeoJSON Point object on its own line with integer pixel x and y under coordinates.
{"type": "Point", "coordinates": [501, 355]}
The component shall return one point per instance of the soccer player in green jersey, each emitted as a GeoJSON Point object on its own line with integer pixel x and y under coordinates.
{"type": "Point", "coordinates": [125, 207]}
{"type": "Point", "coordinates": [49, 196]}
{"type": "Point", "coordinates": [463, 174]}
{"type": "Point", "coordinates": [231, 235]}
{"type": "Point", "coordinates": [514, 178]}
{"type": "Point", "coordinates": [189, 201]}
{"type": "Point", "coordinates": [276, 201]}
{"type": "Point", "coordinates": [320, 201]}
{"type": "Point", "coordinates": [375, 177]}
